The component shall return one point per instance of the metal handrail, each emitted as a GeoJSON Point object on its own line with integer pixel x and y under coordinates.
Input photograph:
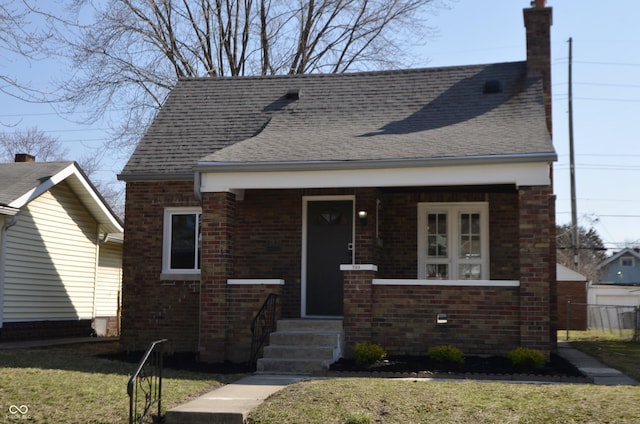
{"type": "Point", "coordinates": [263, 324]}
{"type": "Point", "coordinates": [147, 380]}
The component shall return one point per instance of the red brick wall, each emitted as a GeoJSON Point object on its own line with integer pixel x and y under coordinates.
{"type": "Point", "coordinates": [45, 330]}
{"type": "Point", "coordinates": [269, 241]}
{"type": "Point", "coordinates": [218, 226]}
{"type": "Point", "coordinates": [576, 292]}
{"type": "Point", "coordinates": [537, 267]}
{"type": "Point", "coordinates": [481, 320]}
{"type": "Point", "coordinates": [358, 308]}
{"type": "Point", "coordinates": [243, 302]}
{"type": "Point", "coordinates": [152, 309]}
{"type": "Point", "coordinates": [260, 237]}
{"type": "Point", "coordinates": [400, 225]}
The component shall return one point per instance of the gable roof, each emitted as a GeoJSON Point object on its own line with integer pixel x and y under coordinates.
{"type": "Point", "coordinates": [435, 114]}
{"type": "Point", "coordinates": [566, 274]}
{"type": "Point", "coordinates": [624, 252]}
{"type": "Point", "coordinates": [23, 182]}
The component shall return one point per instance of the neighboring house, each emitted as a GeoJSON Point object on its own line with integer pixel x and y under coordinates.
{"type": "Point", "coordinates": [60, 253]}
{"type": "Point", "coordinates": [620, 280]}
{"type": "Point", "coordinates": [416, 206]}
{"type": "Point", "coordinates": [572, 299]}
{"type": "Point", "coordinates": [622, 268]}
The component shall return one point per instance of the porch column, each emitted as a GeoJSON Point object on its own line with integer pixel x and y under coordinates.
{"type": "Point", "coordinates": [218, 218]}
{"type": "Point", "coordinates": [537, 267]}
{"type": "Point", "coordinates": [358, 298]}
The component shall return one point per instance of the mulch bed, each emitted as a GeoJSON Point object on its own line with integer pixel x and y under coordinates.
{"type": "Point", "coordinates": [475, 367]}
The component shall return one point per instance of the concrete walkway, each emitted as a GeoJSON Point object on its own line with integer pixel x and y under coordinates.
{"type": "Point", "coordinates": [232, 403]}
{"type": "Point", "coordinates": [592, 368]}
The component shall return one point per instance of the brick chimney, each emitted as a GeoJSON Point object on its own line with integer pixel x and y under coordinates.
{"type": "Point", "coordinates": [537, 21]}
{"type": "Point", "coordinates": [24, 157]}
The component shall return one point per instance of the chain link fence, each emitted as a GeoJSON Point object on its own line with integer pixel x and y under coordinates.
{"type": "Point", "coordinates": [621, 321]}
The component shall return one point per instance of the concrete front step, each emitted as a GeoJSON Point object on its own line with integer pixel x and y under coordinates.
{"type": "Point", "coordinates": [302, 347]}
{"type": "Point", "coordinates": [300, 352]}
{"type": "Point", "coordinates": [304, 338]}
{"type": "Point", "coordinates": [292, 366]}
{"type": "Point", "coordinates": [310, 324]}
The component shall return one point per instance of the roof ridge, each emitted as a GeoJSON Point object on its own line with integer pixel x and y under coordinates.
{"type": "Point", "coordinates": [348, 74]}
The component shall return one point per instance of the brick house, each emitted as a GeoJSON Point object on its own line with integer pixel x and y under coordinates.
{"type": "Point", "coordinates": [414, 206]}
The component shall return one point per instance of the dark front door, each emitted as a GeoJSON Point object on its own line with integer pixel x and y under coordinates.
{"type": "Point", "coordinates": [329, 244]}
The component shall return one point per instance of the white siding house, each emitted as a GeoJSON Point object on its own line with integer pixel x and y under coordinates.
{"type": "Point", "coordinates": [59, 268]}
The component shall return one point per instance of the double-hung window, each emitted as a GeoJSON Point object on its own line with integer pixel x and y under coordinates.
{"type": "Point", "coordinates": [182, 240]}
{"type": "Point", "coordinates": [453, 241]}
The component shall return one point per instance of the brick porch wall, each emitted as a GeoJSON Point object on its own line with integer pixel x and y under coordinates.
{"type": "Point", "coordinates": [537, 268]}
{"type": "Point", "coordinates": [399, 227]}
{"type": "Point", "coordinates": [482, 320]}
{"type": "Point", "coordinates": [218, 225]}
{"type": "Point", "coordinates": [358, 308]}
{"type": "Point", "coordinates": [243, 302]}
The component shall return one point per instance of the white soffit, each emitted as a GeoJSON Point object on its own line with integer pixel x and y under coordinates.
{"type": "Point", "coordinates": [520, 174]}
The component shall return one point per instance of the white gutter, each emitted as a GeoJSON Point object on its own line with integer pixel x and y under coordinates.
{"type": "Point", "coordinates": [327, 165]}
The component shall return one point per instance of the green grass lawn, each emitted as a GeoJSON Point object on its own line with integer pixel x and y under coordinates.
{"type": "Point", "coordinates": [368, 400]}
{"type": "Point", "coordinates": [69, 385]}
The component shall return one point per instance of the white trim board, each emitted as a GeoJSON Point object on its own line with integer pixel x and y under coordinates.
{"type": "Point", "coordinates": [520, 174]}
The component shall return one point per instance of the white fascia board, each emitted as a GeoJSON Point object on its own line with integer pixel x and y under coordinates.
{"type": "Point", "coordinates": [84, 190]}
{"type": "Point", "coordinates": [520, 174]}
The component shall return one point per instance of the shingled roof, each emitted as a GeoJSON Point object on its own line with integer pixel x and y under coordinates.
{"type": "Point", "coordinates": [23, 182]}
{"type": "Point", "coordinates": [479, 111]}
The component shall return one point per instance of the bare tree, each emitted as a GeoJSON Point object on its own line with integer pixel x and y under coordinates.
{"type": "Point", "coordinates": [591, 251]}
{"type": "Point", "coordinates": [32, 141]}
{"type": "Point", "coordinates": [46, 148]}
{"type": "Point", "coordinates": [131, 53]}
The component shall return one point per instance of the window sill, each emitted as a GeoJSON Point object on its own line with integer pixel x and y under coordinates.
{"type": "Point", "coordinates": [466, 283]}
{"type": "Point", "coordinates": [179, 276]}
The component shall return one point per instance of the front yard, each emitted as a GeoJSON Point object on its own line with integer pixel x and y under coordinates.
{"type": "Point", "coordinates": [72, 385]}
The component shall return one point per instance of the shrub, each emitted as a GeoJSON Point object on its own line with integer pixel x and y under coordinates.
{"type": "Point", "coordinates": [446, 354]}
{"type": "Point", "coordinates": [525, 357]}
{"type": "Point", "coordinates": [368, 353]}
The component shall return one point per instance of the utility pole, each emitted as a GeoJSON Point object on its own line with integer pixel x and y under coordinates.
{"type": "Point", "coordinates": [572, 168]}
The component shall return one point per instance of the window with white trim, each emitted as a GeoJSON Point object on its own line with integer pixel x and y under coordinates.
{"type": "Point", "coordinates": [627, 261]}
{"type": "Point", "coordinates": [182, 240]}
{"type": "Point", "coordinates": [453, 241]}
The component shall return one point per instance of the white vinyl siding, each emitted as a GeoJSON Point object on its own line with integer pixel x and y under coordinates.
{"type": "Point", "coordinates": [51, 260]}
{"type": "Point", "coordinates": [109, 280]}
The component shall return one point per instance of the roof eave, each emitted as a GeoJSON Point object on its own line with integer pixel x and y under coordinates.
{"type": "Point", "coordinates": [211, 166]}
{"type": "Point", "coordinates": [155, 176]}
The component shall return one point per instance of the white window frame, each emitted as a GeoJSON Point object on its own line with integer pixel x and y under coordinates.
{"type": "Point", "coordinates": [166, 240]}
{"type": "Point", "coordinates": [453, 211]}
{"type": "Point", "coordinates": [632, 262]}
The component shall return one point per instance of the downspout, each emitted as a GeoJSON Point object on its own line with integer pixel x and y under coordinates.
{"type": "Point", "coordinates": [3, 259]}
{"type": "Point", "coordinates": [96, 275]}
{"type": "Point", "coordinates": [197, 180]}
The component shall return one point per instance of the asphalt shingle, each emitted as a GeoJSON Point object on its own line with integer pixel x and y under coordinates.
{"type": "Point", "coordinates": [406, 114]}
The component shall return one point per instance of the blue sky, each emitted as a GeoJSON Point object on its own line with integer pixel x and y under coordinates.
{"type": "Point", "coordinates": [606, 98]}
